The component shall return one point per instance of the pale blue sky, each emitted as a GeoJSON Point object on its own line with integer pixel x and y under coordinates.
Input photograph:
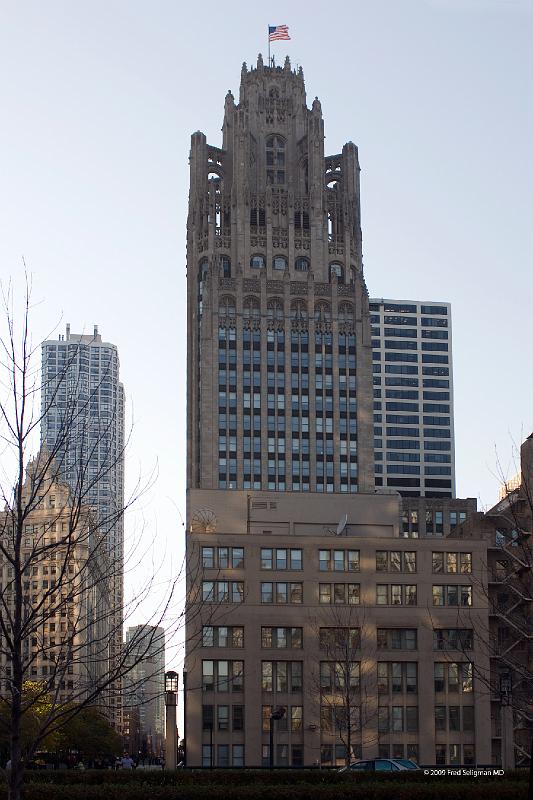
{"type": "Point", "coordinates": [98, 101]}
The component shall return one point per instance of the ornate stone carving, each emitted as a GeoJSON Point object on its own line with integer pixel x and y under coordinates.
{"type": "Point", "coordinates": [275, 286]}
{"type": "Point", "coordinates": [346, 290]}
{"type": "Point", "coordinates": [298, 288]}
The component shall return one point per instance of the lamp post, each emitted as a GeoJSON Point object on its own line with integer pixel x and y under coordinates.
{"type": "Point", "coordinates": [506, 691]}
{"type": "Point", "coordinates": [184, 717]}
{"type": "Point", "coordinates": [171, 701]}
{"type": "Point", "coordinates": [278, 713]}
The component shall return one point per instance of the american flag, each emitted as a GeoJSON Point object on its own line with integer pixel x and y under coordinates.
{"type": "Point", "coordinates": [276, 32]}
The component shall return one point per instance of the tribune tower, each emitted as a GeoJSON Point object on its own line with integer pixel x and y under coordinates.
{"type": "Point", "coordinates": [279, 349]}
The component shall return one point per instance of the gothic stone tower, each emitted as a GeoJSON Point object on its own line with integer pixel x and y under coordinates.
{"type": "Point", "coordinates": [279, 353]}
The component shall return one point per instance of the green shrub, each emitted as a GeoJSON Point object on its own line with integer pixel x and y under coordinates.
{"type": "Point", "coordinates": [276, 786]}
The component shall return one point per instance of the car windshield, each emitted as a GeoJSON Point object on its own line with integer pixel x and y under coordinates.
{"type": "Point", "coordinates": [407, 763]}
{"type": "Point", "coordinates": [361, 765]}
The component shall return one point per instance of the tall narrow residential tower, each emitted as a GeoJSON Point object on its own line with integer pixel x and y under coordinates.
{"type": "Point", "coordinates": [82, 407]}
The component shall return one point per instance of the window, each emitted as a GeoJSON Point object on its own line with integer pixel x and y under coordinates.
{"type": "Point", "coordinates": [281, 638]}
{"type": "Point", "coordinates": [222, 636]}
{"type": "Point", "coordinates": [237, 718]}
{"type": "Point", "coordinates": [223, 718]}
{"type": "Point", "coordinates": [275, 159]}
{"type": "Point", "coordinates": [257, 261]}
{"type": "Point", "coordinates": [222, 557]}
{"type": "Point", "coordinates": [453, 639]}
{"type": "Point", "coordinates": [223, 755]}
{"type": "Point", "coordinates": [338, 675]}
{"type": "Point", "coordinates": [395, 561]}
{"type": "Point", "coordinates": [452, 563]}
{"type": "Point", "coordinates": [397, 677]}
{"type": "Point", "coordinates": [397, 638]}
{"type": "Point", "coordinates": [222, 591]}
{"type": "Point", "coordinates": [338, 560]}
{"type": "Point", "coordinates": [281, 558]}
{"type": "Point", "coordinates": [453, 595]}
{"type": "Point", "coordinates": [279, 262]}
{"type": "Point", "coordinates": [222, 676]}
{"type": "Point", "coordinates": [301, 265]}
{"type": "Point", "coordinates": [453, 677]}
{"type": "Point", "coordinates": [337, 270]}
{"type": "Point", "coordinates": [339, 640]}
{"type": "Point", "coordinates": [281, 676]}
{"type": "Point", "coordinates": [238, 755]}
{"type": "Point", "coordinates": [281, 592]}
{"type": "Point", "coordinates": [339, 593]}
{"type": "Point", "coordinates": [225, 267]}
{"type": "Point", "coordinates": [396, 594]}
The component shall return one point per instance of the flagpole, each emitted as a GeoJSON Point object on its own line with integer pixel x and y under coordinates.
{"type": "Point", "coordinates": [268, 36]}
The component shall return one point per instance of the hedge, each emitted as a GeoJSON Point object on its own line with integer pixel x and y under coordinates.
{"type": "Point", "coordinates": [266, 785]}
{"type": "Point", "coordinates": [349, 791]}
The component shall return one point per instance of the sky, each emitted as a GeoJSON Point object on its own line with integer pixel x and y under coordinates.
{"type": "Point", "coordinates": [98, 101]}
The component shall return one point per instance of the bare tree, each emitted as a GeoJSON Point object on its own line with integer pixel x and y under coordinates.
{"type": "Point", "coordinates": [341, 680]}
{"type": "Point", "coordinates": [62, 606]}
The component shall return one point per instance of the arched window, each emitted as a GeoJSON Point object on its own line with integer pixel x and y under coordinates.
{"type": "Point", "coordinates": [250, 308]}
{"type": "Point", "coordinates": [301, 265]}
{"type": "Point", "coordinates": [279, 262]}
{"type": "Point", "coordinates": [346, 313]}
{"type": "Point", "coordinates": [322, 312]}
{"type": "Point", "coordinates": [275, 160]}
{"type": "Point", "coordinates": [225, 267]}
{"type": "Point", "coordinates": [203, 268]}
{"type": "Point", "coordinates": [338, 270]}
{"type": "Point", "coordinates": [275, 309]}
{"type": "Point", "coordinates": [257, 261]}
{"type": "Point", "coordinates": [226, 306]}
{"type": "Point", "coordinates": [299, 310]}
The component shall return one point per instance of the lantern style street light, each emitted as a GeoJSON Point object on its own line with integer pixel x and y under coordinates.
{"type": "Point", "coordinates": [171, 703]}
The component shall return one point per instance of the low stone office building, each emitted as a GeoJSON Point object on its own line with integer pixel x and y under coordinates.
{"type": "Point", "coordinates": [278, 576]}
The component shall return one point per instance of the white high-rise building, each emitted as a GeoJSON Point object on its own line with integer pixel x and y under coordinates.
{"type": "Point", "coordinates": [413, 397]}
{"type": "Point", "coordinates": [82, 407]}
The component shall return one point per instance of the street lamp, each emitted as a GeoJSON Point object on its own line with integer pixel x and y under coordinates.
{"type": "Point", "coordinates": [278, 713]}
{"type": "Point", "coordinates": [171, 701]}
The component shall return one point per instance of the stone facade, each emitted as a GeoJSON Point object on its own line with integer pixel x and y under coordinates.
{"type": "Point", "coordinates": [274, 264]}
{"type": "Point", "coordinates": [290, 545]}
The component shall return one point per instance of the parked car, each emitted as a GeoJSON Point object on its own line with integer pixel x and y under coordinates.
{"type": "Point", "coordinates": [380, 765]}
{"type": "Point", "coordinates": [408, 763]}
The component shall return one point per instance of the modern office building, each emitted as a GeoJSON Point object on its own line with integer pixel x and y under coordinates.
{"type": "Point", "coordinates": [82, 408]}
{"type": "Point", "coordinates": [144, 685]}
{"type": "Point", "coordinates": [413, 397]}
{"type": "Point", "coordinates": [307, 591]}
